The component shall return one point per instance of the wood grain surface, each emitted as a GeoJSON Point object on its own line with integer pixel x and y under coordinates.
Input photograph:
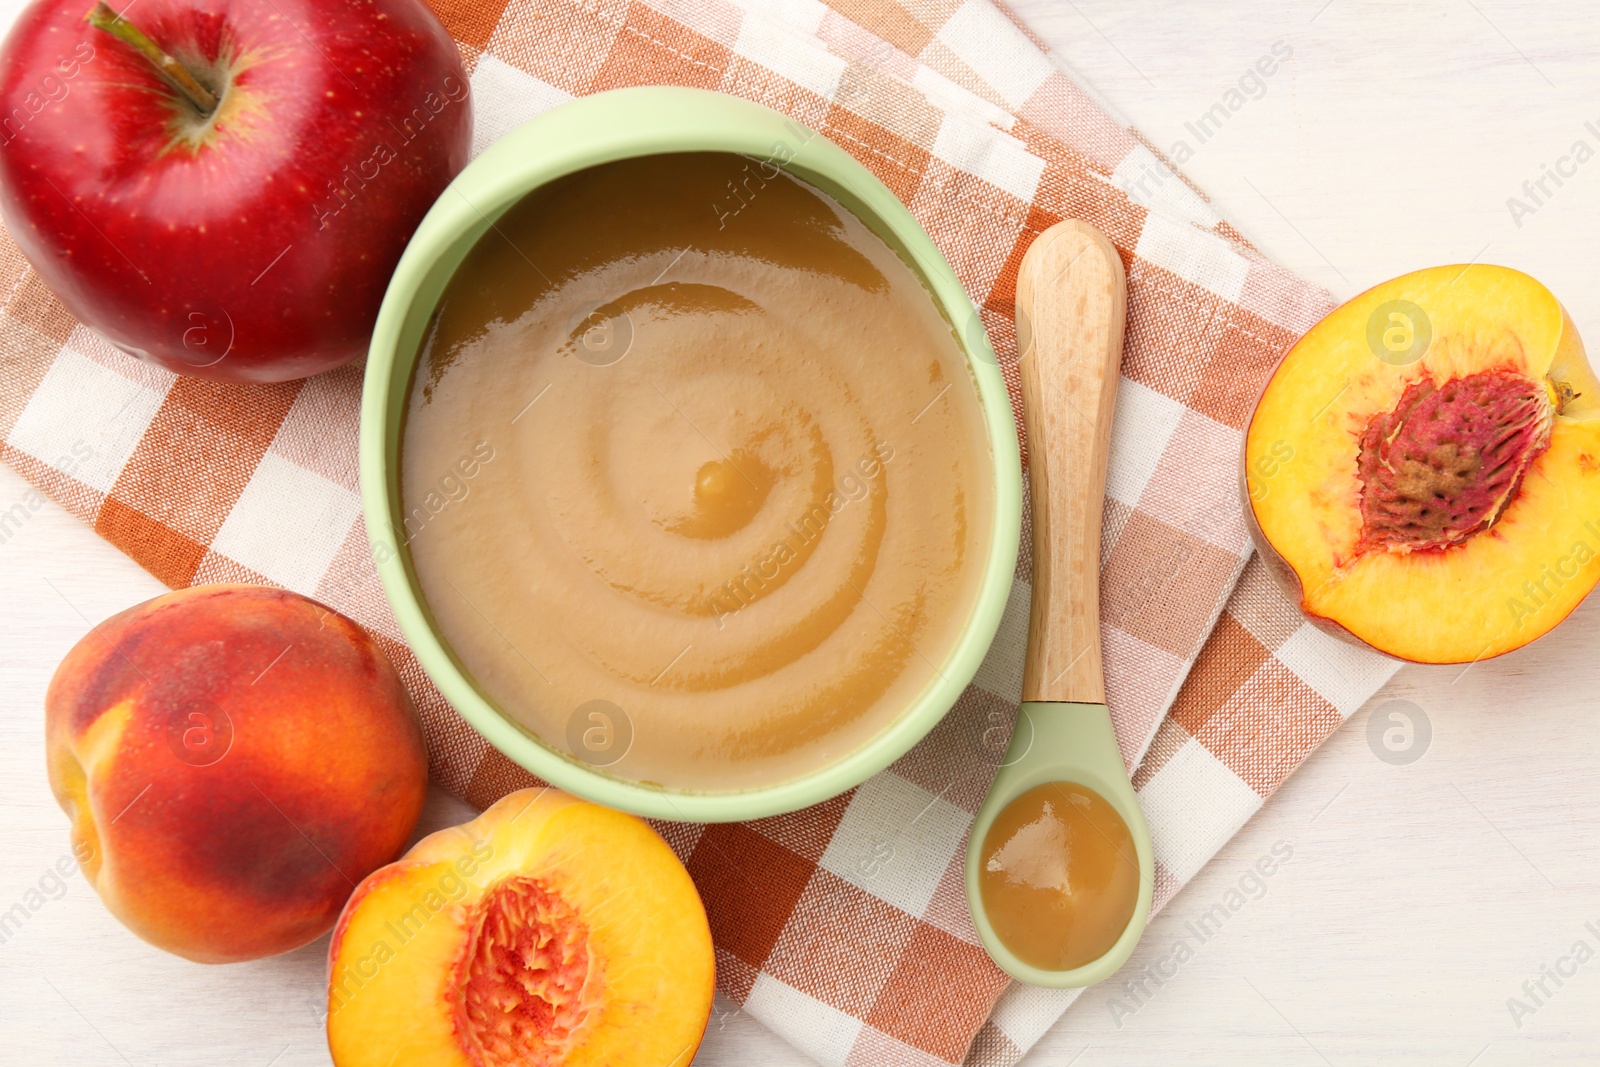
{"type": "Point", "coordinates": [1072, 303]}
{"type": "Point", "coordinates": [1420, 897]}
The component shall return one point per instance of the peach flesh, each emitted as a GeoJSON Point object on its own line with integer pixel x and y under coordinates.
{"type": "Point", "coordinates": [1511, 565]}
{"type": "Point", "coordinates": [546, 931]}
{"type": "Point", "coordinates": [1447, 460]}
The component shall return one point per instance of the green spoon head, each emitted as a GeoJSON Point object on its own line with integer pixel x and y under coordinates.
{"type": "Point", "coordinates": [1062, 742]}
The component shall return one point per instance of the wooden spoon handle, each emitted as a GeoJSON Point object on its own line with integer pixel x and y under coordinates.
{"type": "Point", "coordinates": [1071, 303]}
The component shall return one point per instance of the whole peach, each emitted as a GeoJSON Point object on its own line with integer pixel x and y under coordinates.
{"type": "Point", "coordinates": [235, 759]}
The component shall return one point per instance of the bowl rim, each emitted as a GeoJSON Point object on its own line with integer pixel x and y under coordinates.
{"type": "Point", "coordinates": [605, 127]}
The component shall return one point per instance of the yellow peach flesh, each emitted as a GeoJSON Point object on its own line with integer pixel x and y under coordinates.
{"type": "Point", "coordinates": [1501, 587]}
{"type": "Point", "coordinates": [547, 930]}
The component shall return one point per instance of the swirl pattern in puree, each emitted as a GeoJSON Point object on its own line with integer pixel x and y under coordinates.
{"type": "Point", "coordinates": [688, 439]}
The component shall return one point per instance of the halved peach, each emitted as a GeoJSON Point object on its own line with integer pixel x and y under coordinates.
{"type": "Point", "coordinates": [546, 931]}
{"type": "Point", "coordinates": [1423, 468]}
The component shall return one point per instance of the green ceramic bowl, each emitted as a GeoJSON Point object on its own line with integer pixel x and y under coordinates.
{"type": "Point", "coordinates": [598, 129]}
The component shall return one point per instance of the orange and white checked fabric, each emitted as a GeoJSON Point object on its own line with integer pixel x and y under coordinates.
{"type": "Point", "coordinates": [843, 927]}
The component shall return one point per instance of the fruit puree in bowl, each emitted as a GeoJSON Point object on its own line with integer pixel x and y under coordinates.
{"type": "Point", "coordinates": [694, 478]}
{"type": "Point", "coordinates": [720, 513]}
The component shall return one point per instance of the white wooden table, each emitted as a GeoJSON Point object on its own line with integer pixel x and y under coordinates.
{"type": "Point", "coordinates": [1419, 898]}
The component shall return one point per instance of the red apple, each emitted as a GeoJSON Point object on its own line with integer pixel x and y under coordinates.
{"type": "Point", "coordinates": [223, 187]}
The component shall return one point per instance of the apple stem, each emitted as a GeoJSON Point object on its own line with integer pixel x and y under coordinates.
{"type": "Point", "coordinates": [101, 17]}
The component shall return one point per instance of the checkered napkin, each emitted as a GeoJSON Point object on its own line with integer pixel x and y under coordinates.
{"type": "Point", "coordinates": [843, 927]}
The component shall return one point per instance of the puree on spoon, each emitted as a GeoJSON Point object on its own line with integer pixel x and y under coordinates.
{"type": "Point", "coordinates": [695, 478]}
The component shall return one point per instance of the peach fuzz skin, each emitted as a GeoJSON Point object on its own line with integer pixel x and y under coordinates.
{"type": "Point", "coordinates": [546, 931]}
{"type": "Point", "coordinates": [234, 760]}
